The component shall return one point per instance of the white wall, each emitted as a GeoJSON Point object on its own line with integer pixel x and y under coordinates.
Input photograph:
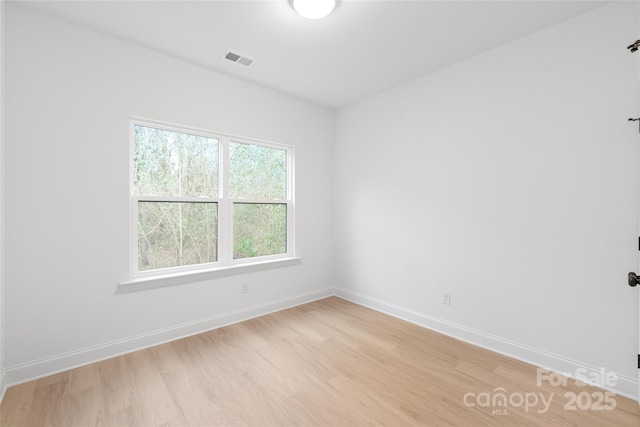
{"type": "Point", "coordinates": [2, 381]}
{"type": "Point", "coordinates": [510, 180]}
{"type": "Point", "coordinates": [69, 95]}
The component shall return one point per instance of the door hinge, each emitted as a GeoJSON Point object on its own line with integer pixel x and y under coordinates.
{"type": "Point", "coordinates": [639, 361]}
{"type": "Point", "coordinates": [634, 46]}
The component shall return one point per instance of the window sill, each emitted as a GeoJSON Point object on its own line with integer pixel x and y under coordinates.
{"type": "Point", "coordinates": [160, 281]}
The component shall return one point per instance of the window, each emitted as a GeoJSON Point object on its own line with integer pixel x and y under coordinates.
{"type": "Point", "coordinates": [204, 201]}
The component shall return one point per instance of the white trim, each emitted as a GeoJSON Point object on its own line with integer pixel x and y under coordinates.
{"type": "Point", "coordinates": [625, 386]}
{"type": "Point", "coordinates": [173, 127]}
{"type": "Point", "coordinates": [63, 362]}
{"type": "Point", "coordinates": [186, 276]}
{"type": "Point", "coordinates": [291, 206]}
{"type": "Point", "coordinates": [3, 385]}
{"type": "Point", "coordinates": [260, 201]}
{"type": "Point", "coordinates": [133, 208]}
{"type": "Point", "coordinates": [225, 264]}
{"type": "Point", "coordinates": [225, 228]}
{"type": "Point", "coordinates": [171, 199]}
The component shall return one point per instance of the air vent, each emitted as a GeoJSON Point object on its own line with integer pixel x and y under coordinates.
{"type": "Point", "coordinates": [236, 57]}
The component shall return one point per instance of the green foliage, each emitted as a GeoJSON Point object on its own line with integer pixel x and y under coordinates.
{"type": "Point", "coordinates": [259, 229]}
{"type": "Point", "coordinates": [177, 164]}
{"type": "Point", "coordinates": [176, 234]}
{"type": "Point", "coordinates": [168, 163]}
{"type": "Point", "coordinates": [257, 172]}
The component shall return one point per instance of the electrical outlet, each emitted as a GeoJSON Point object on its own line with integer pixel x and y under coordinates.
{"type": "Point", "coordinates": [245, 288]}
{"type": "Point", "coordinates": [446, 298]}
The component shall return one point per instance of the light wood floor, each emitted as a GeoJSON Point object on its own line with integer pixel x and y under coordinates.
{"type": "Point", "coordinates": [327, 363]}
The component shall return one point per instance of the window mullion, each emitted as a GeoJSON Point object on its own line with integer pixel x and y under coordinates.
{"type": "Point", "coordinates": [225, 232]}
{"type": "Point", "coordinates": [261, 201]}
{"type": "Point", "coordinates": [175, 199]}
{"type": "Point", "coordinates": [134, 234]}
{"type": "Point", "coordinates": [290, 203]}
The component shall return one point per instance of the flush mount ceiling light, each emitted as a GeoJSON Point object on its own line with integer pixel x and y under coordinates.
{"type": "Point", "coordinates": [314, 9]}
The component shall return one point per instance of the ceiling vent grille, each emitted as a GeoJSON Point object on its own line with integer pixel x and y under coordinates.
{"type": "Point", "coordinates": [237, 58]}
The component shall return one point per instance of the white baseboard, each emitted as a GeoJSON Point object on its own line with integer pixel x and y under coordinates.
{"type": "Point", "coordinates": [625, 386]}
{"type": "Point", "coordinates": [63, 362]}
{"type": "Point", "coordinates": [3, 385]}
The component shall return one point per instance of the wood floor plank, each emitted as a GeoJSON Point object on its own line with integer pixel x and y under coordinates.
{"type": "Point", "coordinates": [326, 363]}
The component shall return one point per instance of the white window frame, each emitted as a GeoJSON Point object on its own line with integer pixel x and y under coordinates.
{"type": "Point", "coordinates": [225, 262]}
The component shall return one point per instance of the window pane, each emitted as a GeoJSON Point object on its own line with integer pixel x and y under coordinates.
{"type": "Point", "coordinates": [259, 230]}
{"type": "Point", "coordinates": [257, 172]}
{"type": "Point", "coordinates": [168, 163]}
{"type": "Point", "coordinates": [176, 234]}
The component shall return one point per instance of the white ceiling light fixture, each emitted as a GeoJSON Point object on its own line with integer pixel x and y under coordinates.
{"type": "Point", "coordinates": [314, 9]}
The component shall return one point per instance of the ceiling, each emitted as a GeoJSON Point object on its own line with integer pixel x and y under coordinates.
{"type": "Point", "coordinates": [364, 47]}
